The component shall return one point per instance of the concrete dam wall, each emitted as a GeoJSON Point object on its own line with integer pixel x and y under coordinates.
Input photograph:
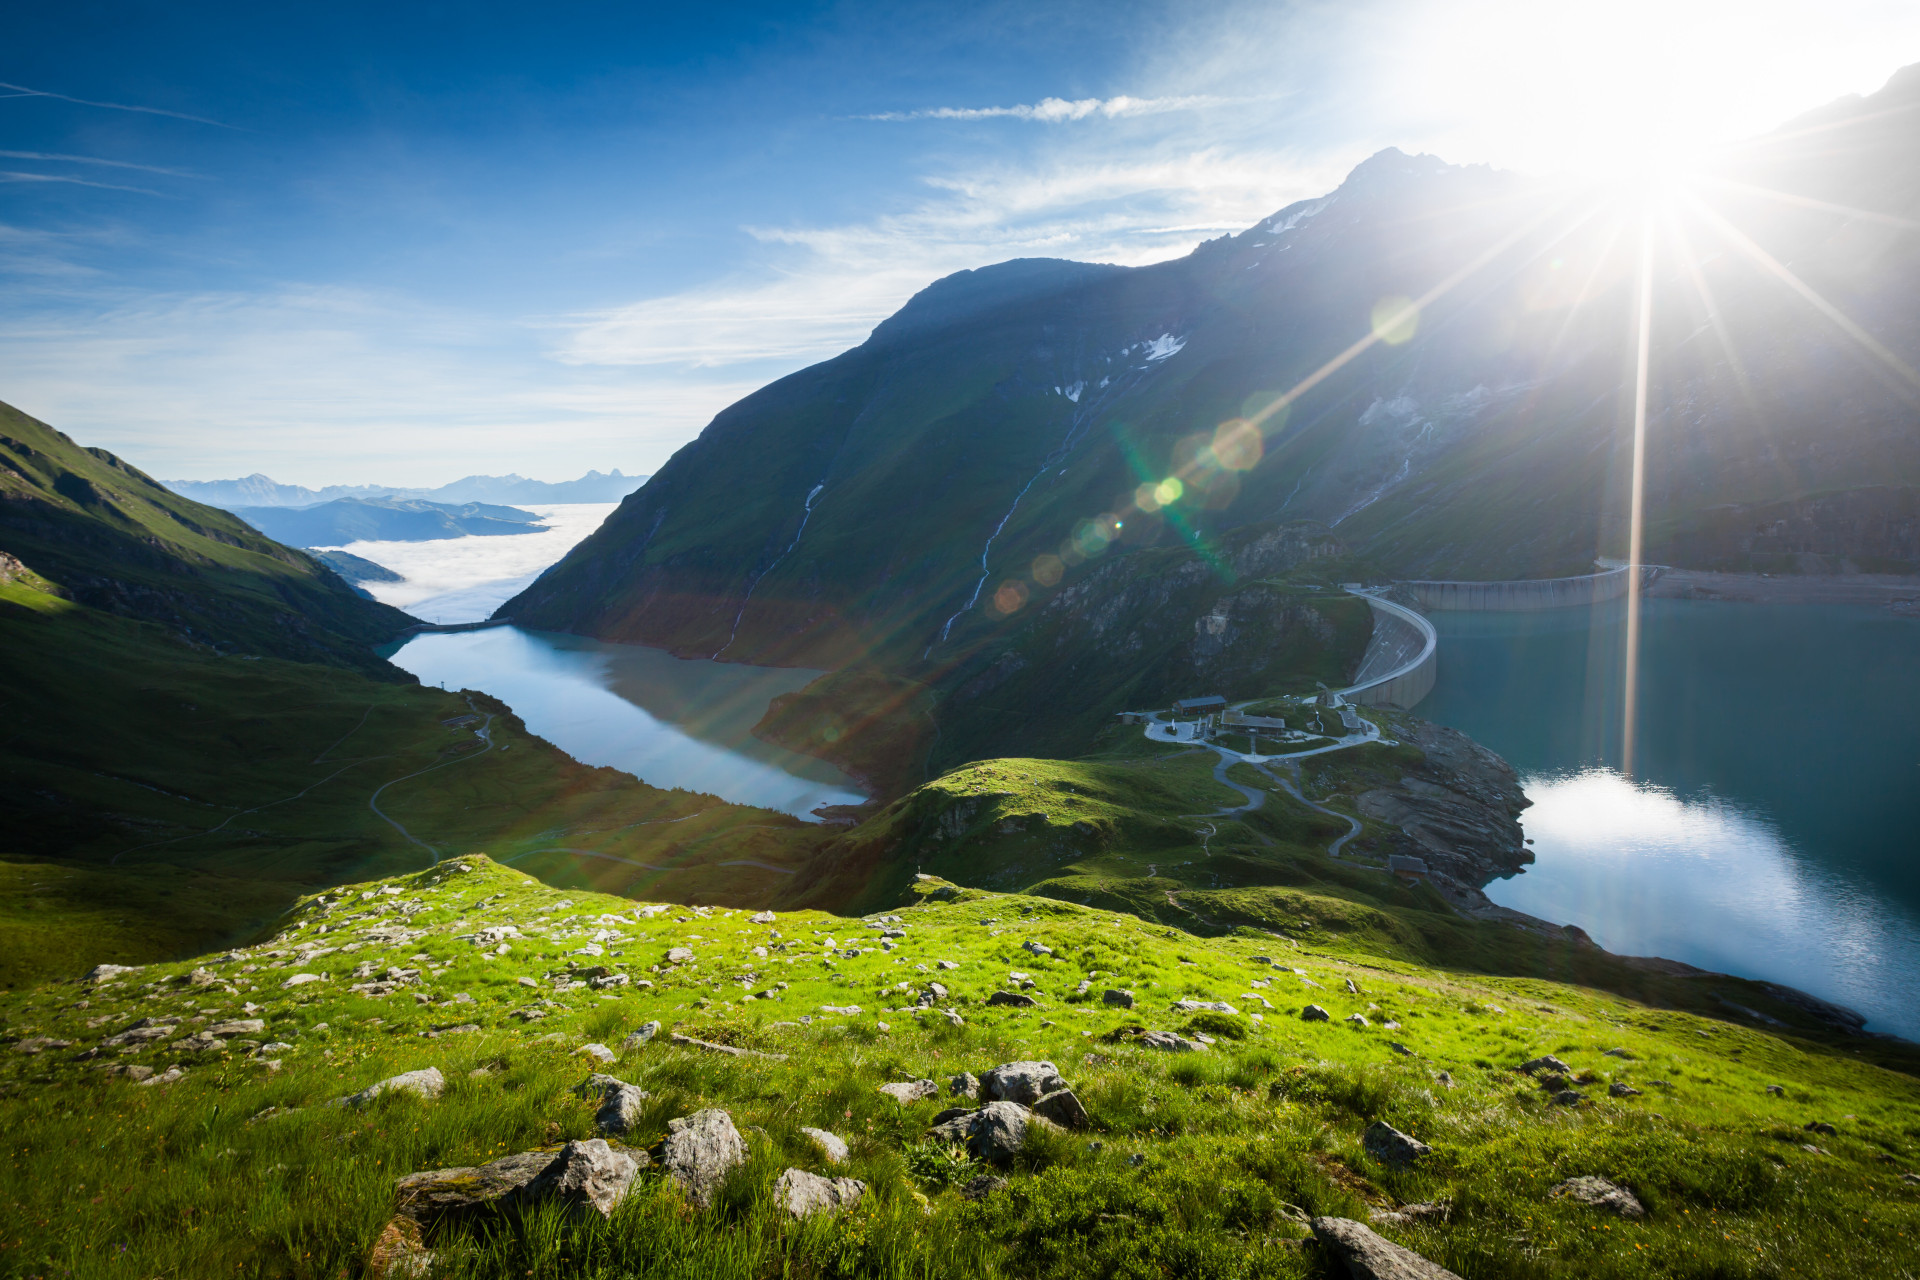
{"type": "Point", "coordinates": [1527, 594]}
{"type": "Point", "coordinates": [1398, 667]}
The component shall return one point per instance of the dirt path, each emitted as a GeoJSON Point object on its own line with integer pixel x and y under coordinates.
{"type": "Point", "coordinates": [373, 801]}
{"type": "Point", "coordinates": [1353, 824]}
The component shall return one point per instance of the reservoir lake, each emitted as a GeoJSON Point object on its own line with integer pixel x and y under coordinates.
{"type": "Point", "coordinates": [1771, 826]}
{"type": "Point", "coordinates": [669, 721]}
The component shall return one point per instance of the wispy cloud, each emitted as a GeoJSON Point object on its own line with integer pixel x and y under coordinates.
{"type": "Point", "coordinates": [10, 176]}
{"type": "Point", "coordinates": [22, 91]}
{"type": "Point", "coordinates": [95, 160]}
{"type": "Point", "coordinates": [1060, 110]}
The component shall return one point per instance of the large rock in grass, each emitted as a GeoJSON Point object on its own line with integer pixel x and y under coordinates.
{"type": "Point", "coordinates": [426, 1083]}
{"type": "Point", "coordinates": [617, 1102]}
{"type": "Point", "coordinates": [908, 1091]}
{"type": "Point", "coordinates": [1012, 1000]}
{"type": "Point", "coordinates": [995, 1133]}
{"type": "Point", "coordinates": [700, 1150]}
{"type": "Point", "coordinates": [1366, 1255]}
{"type": "Point", "coordinates": [1168, 1042]}
{"type": "Point", "coordinates": [1545, 1063]}
{"type": "Point", "coordinates": [441, 1195]}
{"type": "Point", "coordinates": [832, 1146]}
{"type": "Point", "coordinates": [1601, 1194]}
{"type": "Point", "coordinates": [1063, 1107]}
{"type": "Point", "coordinates": [1390, 1146]}
{"type": "Point", "coordinates": [804, 1194]}
{"type": "Point", "coordinates": [587, 1176]}
{"type": "Point", "coordinates": [1022, 1082]}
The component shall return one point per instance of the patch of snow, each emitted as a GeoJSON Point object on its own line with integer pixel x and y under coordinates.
{"type": "Point", "coordinates": [1073, 392]}
{"type": "Point", "coordinates": [1164, 346]}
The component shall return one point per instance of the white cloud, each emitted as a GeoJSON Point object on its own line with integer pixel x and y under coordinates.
{"type": "Point", "coordinates": [1060, 110]}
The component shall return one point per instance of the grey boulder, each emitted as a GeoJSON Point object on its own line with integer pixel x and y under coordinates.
{"type": "Point", "coordinates": [1063, 1107]}
{"type": "Point", "coordinates": [1012, 1000]}
{"type": "Point", "coordinates": [700, 1150]}
{"type": "Point", "coordinates": [832, 1146]}
{"type": "Point", "coordinates": [1314, 1013]}
{"type": "Point", "coordinates": [907, 1091]}
{"type": "Point", "coordinates": [964, 1085]}
{"type": "Point", "coordinates": [646, 1032]}
{"type": "Point", "coordinates": [1118, 998]}
{"type": "Point", "coordinates": [995, 1133]}
{"type": "Point", "coordinates": [804, 1194]}
{"type": "Point", "coordinates": [1368, 1256]}
{"type": "Point", "coordinates": [1167, 1042]}
{"type": "Point", "coordinates": [437, 1195]}
{"type": "Point", "coordinates": [1390, 1146]}
{"type": "Point", "coordinates": [1601, 1194]}
{"type": "Point", "coordinates": [1546, 1063]}
{"type": "Point", "coordinates": [585, 1175]}
{"type": "Point", "coordinates": [427, 1083]}
{"type": "Point", "coordinates": [618, 1103]}
{"type": "Point", "coordinates": [1022, 1082]}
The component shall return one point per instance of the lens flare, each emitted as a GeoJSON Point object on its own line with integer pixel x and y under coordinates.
{"type": "Point", "coordinates": [1047, 570]}
{"type": "Point", "coordinates": [1238, 444]}
{"type": "Point", "coordinates": [1168, 491]}
{"type": "Point", "coordinates": [1395, 320]}
{"type": "Point", "coordinates": [1147, 497]}
{"type": "Point", "coordinates": [1011, 595]}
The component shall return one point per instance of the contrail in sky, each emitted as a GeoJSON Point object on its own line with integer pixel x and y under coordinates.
{"type": "Point", "coordinates": [22, 91]}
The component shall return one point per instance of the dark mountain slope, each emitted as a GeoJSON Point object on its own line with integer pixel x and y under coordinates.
{"type": "Point", "coordinates": [872, 507]}
{"type": "Point", "coordinates": [108, 536]}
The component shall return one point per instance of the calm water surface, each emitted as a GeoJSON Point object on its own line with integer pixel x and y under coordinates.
{"type": "Point", "coordinates": [1771, 828]}
{"type": "Point", "coordinates": [668, 721]}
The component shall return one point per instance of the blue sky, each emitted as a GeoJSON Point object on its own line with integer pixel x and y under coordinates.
{"type": "Point", "coordinates": [407, 242]}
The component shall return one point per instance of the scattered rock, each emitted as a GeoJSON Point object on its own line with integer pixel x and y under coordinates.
{"type": "Point", "coordinates": [1601, 1194]}
{"type": "Point", "coordinates": [165, 1077]}
{"type": "Point", "coordinates": [1314, 1013]}
{"type": "Point", "coordinates": [1369, 1256]}
{"type": "Point", "coordinates": [1778, 1091]}
{"type": "Point", "coordinates": [399, 1253]}
{"type": "Point", "coordinates": [108, 972]}
{"type": "Point", "coordinates": [1401, 1049]}
{"type": "Point", "coordinates": [427, 1083]}
{"type": "Point", "coordinates": [1168, 1042]}
{"type": "Point", "coordinates": [699, 1151]}
{"type": "Point", "coordinates": [1353, 988]}
{"type": "Point", "coordinates": [598, 1052]}
{"type": "Point", "coordinates": [910, 1091]}
{"type": "Point", "coordinates": [680, 955]}
{"type": "Point", "coordinates": [301, 979]}
{"type": "Point", "coordinates": [437, 1195]}
{"type": "Point", "coordinates": [131, 1071]}
{"type": "Point", "coordinates": [1022, 1082]}
{"type": "Point", "coordinates": [803, 1194]}
{"type": "Point", "coordinates": [587, 1174]}
{"type": "Point", "coordinates": [40, 1044]}
{"type": "Point", "coordinates": [242, 1027]}
{"type": "Point", "coordinates": [618, 1102]}
{"type": "Point", "coordinates": [1547, 1063]}
{"type": "Point", "coordinates": [760, 917]}
{"type": "Point", "coordinates": [1822, 1128]}
{"type": "Point", "coordinates": [1203, 1006]}
{"type": "Point", "coordinates": [982, 1185]}
{"type": "Point", "coordinates": [1063, 1107]}
{"type": "Point", "coordinates": [834, 1148]}
{"type": "Point", "coordinates": [1118, 998]}
{"type": "Point", "coordinates": [1568, 1098]}
{"type": "Point", "coordinates": [844, 1010]}
{"type": "Point", "coordinates": [1357, 1020]}
{"type": "Point", "coordinates": [964, 1085]}
{"type": "Point", "coordinates": [1036, 948]}
{"type": "Point", "coordinates": [646, 1032]}
{"type": "Point", "coordinates": [1390, 1146]}
{"type": "Point", "coordinates": [1616, 1053]}
{"type": "Point", "coordinates": [1621, 1089]}
{"type": "Point", "coordinates": [1407, 1213]}
{"type": "Point", "coordinates": [1012, 1000]}
{"type": "Point", "coordinates": [995, 1133]}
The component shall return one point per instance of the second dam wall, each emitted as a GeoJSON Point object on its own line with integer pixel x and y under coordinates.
{"type": "Point", "coordinates": [1527, 594]}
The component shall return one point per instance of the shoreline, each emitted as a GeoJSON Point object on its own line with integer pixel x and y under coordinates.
{"type": "Point", "coordinates": [1900, 593]}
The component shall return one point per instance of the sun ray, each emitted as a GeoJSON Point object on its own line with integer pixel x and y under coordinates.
{"type": "Point", "coordinates": [1779, 271]}
{"type": "Point", "coordinates": [1821, 206]}
{"type": "Point", "coordinates": [1636, 548]}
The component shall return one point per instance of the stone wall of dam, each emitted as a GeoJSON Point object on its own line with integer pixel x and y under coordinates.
{"type": "Point", "coordinates": [1527, 594]}
{"type": "Point", "coordinates": [1399, 665]}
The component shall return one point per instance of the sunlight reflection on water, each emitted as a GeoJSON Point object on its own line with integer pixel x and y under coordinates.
{"type": "Point", "coordinates": [1704, 880]}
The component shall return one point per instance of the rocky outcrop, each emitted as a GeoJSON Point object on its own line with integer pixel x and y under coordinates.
{"type": "Point", "coordinates": [1601, 1194]}
{"type": "Point", "coordinates": [1365, 1255]}
{"type": "Point", "coordinates": [801, 1194]}
{"type": "Point", "coordinates": [699, 1151]}
{"type": "Point", "coordinates": [995, 1133]}
{"type": "Point", "coordinates": [1390, 1146]}
{"type": "Point", "coordinates": [1457, 809]}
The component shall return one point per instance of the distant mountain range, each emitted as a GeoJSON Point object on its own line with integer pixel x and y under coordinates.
{"type": "Point", "coordinates": [263, 491]}
{"type": "Point", "coordinates": [926, 493]}
{"type": "Point", "coordinates": [330, 524]}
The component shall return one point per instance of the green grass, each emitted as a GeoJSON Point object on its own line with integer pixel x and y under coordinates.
{"type": "Point", "coordinates": [107, 1179]}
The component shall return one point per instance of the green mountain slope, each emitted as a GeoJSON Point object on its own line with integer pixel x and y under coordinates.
{"type": "Point", "coordinates": [112, 538]}
{"type": "Point", "coordinates": [229, 1159]}
{"type": "Point", "coordinates": [997, 434]}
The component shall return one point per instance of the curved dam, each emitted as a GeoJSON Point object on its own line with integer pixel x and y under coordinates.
{"type": "Point", "coordinates": [1398, 667]}
{"type": "Point", "coordinates": [1527, 594]}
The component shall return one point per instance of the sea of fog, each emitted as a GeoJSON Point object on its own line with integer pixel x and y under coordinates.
{"type": "Point", "coordinates": [466, 579]}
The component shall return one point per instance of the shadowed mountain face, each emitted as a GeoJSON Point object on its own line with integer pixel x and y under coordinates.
{"type": "Point", "coordinates": [940, 482]}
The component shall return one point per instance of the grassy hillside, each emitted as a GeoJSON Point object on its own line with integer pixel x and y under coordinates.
{"type": "Point", "coordinates": [186, 795]}
{"type": "Point", "coordinates": [1195, 1164]}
